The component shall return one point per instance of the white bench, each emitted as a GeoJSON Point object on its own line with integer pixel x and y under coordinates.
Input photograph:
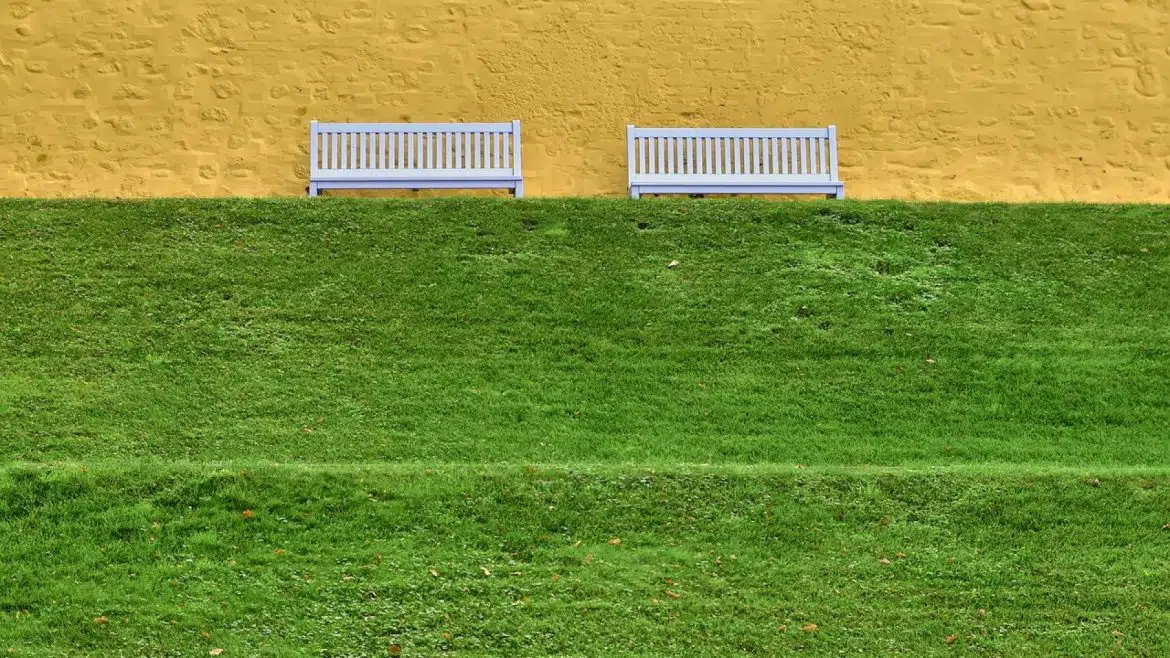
{"type": "Point", "coordinates": [415, 156]}
{"type": "Point", "coordinates": [733, 161]}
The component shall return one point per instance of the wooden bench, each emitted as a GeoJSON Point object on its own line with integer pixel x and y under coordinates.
{"type": "Point", "coordinates": [415, 156]}
{"type": "Point", "coordinates": [733, 161]}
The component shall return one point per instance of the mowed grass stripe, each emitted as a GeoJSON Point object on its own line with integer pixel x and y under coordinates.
{"type": "Point", "coordinates": [294, 560]}
{"type": "Point", "coordinates": [480, 331]}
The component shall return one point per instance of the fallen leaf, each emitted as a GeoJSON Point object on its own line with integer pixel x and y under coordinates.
{"type": "Point", "coordinates": [1144, 250]}
{"type": "Point", "coordinates": [485, 571]}
{"type": "Point", "coordinates": [215, 652]}
{"type": "Point", "coordinates": [901, 556]}
{"type": "Point", "coordinates": [672, 594]}
{"type": "Point", "coordinates": [1166, 527]}
{"type": "Point", "coordinates": [616, 541]}
{"type": "Point", "coordinates": [1118, 634]}
{"type": "Point", "coordinates": [673, 264]}
{"type": "Point", "coordinates": [884, 561]}
{"type": "Point", "coordinates": [445, 635]}
{"type": "Point", "coordinates": [101, 620]}
{"type": "Point", "coordinates": [434, 573]}
{"type": "Point", "coordinates": [279, 551]}
{"type": "Point", "coordinates": [588, 558]}
{"type": "Point", "coordinates": [951, 639]}
{"type": "Point", "coordinates": [1095, 482]}
{"type": "Point", "coordinates": [394, 650]}
{"type": "Point", "coordinates": [248, 514]}
{"type": "Point", "coordinates": [517, 573]}
{"type": "Point", "coordinates": [205, 635]}
{"type": "Point", "coordinates": [783, 628]}
{"type": "Point", "coordinates": [982, 612]}
{"type": "Point", "coordinates": [930, 360]}
{"type": "Point", "coordinates": [555, 578]}
{"type": "Point", "coordinates": [307, 430]}
{"type": "Point", "coordinates": [809, 628]}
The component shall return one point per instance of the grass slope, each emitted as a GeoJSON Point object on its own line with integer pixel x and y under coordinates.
{"type": "Point", "coordinates": [288, 428]}
{"type": "Point", "coordinates": [338, 562]}
{"type": "Point", "coordinates": [552, 331]}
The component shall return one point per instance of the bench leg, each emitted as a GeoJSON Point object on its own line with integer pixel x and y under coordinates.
{"type": "Point", "coordinates": [518, 191]}
{"type": "Point", "coordinates": [313, 191]}
{"type": "Point", "coordinates": [635, 192]}
{"type": "Point", "coordinates": [840, 193]}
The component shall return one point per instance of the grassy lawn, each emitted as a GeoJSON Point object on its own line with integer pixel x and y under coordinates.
{"type": "Point", "coordinates": [325, 428]}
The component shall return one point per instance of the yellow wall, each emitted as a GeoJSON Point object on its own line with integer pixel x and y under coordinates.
{"type": "Point", "coordinates": [978, 99]}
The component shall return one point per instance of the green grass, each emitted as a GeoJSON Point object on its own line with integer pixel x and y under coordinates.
{"type": "Point", "coordinates": [337, 561]}
{"type": "Point", "coordinates": [480, 331]}
{"type": "Point", "coordinates": [392, 388]}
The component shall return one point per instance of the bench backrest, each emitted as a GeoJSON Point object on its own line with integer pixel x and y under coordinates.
{"type": "Point", "coordinates": [436, 149]}
{"type": "Point", "coordinates": [796, 154]}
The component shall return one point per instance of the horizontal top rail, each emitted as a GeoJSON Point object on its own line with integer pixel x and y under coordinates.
{"type": "Point", "coordinates": [334, 127]}
{"type": "Point", "coordinates": [730, 132]}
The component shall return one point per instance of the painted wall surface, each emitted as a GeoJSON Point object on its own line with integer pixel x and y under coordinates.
{"type": "Point", "coordinates": [935, 99]}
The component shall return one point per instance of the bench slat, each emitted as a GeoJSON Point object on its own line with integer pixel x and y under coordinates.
{"type": "Point", "coordinates": [729, 132]}
{"type": "Point", "coordinates": [323, 127]}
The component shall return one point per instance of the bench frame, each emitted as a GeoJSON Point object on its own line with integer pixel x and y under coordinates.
{"type": "Point", "coordinates": [414, 156]}
{"type": "Point", "coordinates": [733, 161]}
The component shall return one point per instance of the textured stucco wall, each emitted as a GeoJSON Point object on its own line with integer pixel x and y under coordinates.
{"type": "Point", "coordinates": [986, 99]}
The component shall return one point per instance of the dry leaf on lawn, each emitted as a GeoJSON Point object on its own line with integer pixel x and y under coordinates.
{"type": "Point", "coordinates": [809, 628]}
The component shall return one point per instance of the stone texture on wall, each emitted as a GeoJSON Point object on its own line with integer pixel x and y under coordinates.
{"type": "Point", "coordinates": [983, 99]}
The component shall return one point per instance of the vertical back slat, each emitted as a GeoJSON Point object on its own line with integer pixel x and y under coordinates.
{"type": "Point", "coordinates": [824, 160]}
{"type": "Point", "coordinates": [314, 138]}
{"type": "Point", "coordinates": [516, 147]}
{"type": "Point", "coordinates": [833, 153]}
{"type": "Point", "coordinates": [507, 152]}
{"type": "Point", "coordinates": [645, 149]}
